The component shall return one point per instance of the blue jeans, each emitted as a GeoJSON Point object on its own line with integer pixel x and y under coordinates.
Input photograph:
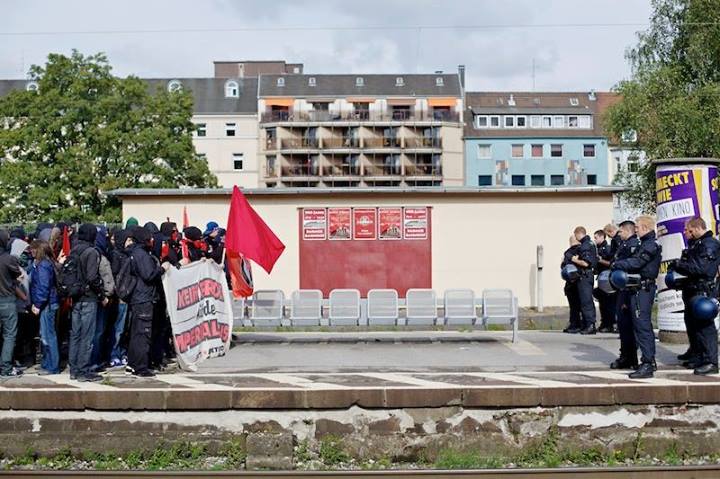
{"type": "Point", "coordinates": [82, 332]}
{"type": "Point", "coordinates": [118, 351]}
{"type": "Point", "coordinates": [98, 337]}
{"type": "Point", "coordinates": [8, 324]}
{"type": "Point", "coordinates": [48, 339]}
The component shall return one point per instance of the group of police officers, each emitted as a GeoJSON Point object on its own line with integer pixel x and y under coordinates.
{"type": "Point", "coordinates": [626, 258]}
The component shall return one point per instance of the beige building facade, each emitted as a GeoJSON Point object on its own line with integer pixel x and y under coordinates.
{"type": "Point", "coordinates": [479, 238]}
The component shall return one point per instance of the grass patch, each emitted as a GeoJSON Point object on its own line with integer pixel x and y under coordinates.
{"type": "Point", "coordinates": [332, 451]}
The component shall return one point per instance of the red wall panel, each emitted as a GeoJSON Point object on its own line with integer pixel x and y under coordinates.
{"type": "Point", "coordinates": [365, 264]}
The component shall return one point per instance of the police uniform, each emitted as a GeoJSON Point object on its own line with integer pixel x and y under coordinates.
{"type": "Point", "coordinates": [699, 263]}
{"type": "Point", "coordinates": [606, 300]}
{"type": "Point", "coordinates": [628, 346]}
{"type": "Point", "coordinates": [645, 261]}
{"type": "Point", "coordinates": [571, 292]}
{"type": "Point", "coordinates": [587, 252]}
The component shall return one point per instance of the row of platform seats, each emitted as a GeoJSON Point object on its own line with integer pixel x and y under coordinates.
{"type": "Point", "coordinates": [346, 307]}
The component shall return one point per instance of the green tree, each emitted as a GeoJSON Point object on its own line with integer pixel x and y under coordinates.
{"type": "Point", "coordinates": [85, 132]}
{"type": "Point", "coordinates": [672, 100]}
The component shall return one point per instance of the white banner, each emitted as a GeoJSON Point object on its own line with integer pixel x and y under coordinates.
{"type": "Point", "coordinates": [200, 310]}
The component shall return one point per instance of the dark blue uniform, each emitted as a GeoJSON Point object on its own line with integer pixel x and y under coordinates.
{"type": "Point", "coordinates": [628, 346]}
{"type": "Point", "coordinates": [607, 301]}
{"type": "Point", "coordinates": [571, 291]}
{"type": "Point", "coordinates": [645, 261]}
{"type": "Point", "coordinates": [587, 252]}
{"type": "Point", "coordinates": [699, 262]}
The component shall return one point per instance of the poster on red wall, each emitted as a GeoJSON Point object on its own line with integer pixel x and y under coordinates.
{"type": "Point", "coordinates": [416, 223]}
{"type": "Point", "coordinates": [339, 224]}
{"type": "Point", "coordinates": [314, 223]}
{"type": "Point", "coordinates": [390, 220]}
{"type": "Point", "coordinates": [365, 223]}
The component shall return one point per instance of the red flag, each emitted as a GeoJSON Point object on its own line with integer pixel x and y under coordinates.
{"type": "Point", "coordinates": [186, 219]}
{"type": "Point", "coordinates": [249, 236]}
{"type": "Point", "coordinates": [240, 275]}
{"type": "Point", "coordinates": [66, 242]}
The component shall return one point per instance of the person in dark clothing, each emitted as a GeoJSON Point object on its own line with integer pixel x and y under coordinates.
{"type": "Point", "coordinates": [629, 242]}
{"type": "Point", "coordinates": [699, 263]}
{"type": "Point", "coordinates": [645, 262]}
{"type": "Point", "coordinates": [193, 246]}
{"type": "Point", "coordinates": [45, 304]}
{"type": "Point", "coordinates": [146, 294]}
{"type": "Point", "coordinates": [605, 300]}
{"type": "Point", "coordinates": [84, 310]}
{"type": "Point", "coordinates": [585, 260]}
{"type": "Point", "coordinates": [571, 292]}
{"type": "Point", "coordinates": [121, 242]}
{"type": "Point", "coordinates": [156, 238]}
{"type": "Point", "coordinates": [169, 243]}
{"type": "Point", "coordinates": [215, 241]}
{"type": "Point", "coordinates": [9, 273]}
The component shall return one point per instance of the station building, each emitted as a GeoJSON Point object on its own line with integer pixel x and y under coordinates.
{"type": "Point", "coordinates": [441, 238]}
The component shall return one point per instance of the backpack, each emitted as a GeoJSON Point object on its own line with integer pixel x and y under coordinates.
{"type": "Point", "coordinates": [70, 277]}
{"type": "Point", "coordinates": [126, 281]}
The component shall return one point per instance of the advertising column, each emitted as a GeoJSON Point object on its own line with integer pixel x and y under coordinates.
{"type": "Point", "coordinates": [684, 190]}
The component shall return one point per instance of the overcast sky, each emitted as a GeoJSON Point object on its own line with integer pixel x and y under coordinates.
{"type": "Point", "coordinates": [317, 33]}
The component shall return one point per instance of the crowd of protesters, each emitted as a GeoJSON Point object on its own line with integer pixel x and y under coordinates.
{"type": "Point", "coordinates": [98, 292]}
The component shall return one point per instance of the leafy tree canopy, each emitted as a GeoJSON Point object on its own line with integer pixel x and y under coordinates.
{"type": "Point", "coordinates": [672, 100]}
{"type": "Point", "coordinates": [85, 132]}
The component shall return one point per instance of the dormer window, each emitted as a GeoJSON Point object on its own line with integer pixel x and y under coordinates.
{"type": "Point", "coordinates": [232, 89]}
{"type": "Point", "coordinates": [574, 102]}
{"type": "Point", "coordinates": [439, 81]}
{"type": "Point", "coordinates": [399, 81]}
{"type": "Point", "coordinates": [32, 86]}
{"type": "Point", "coordinates": [359, 81]}
{"type": "Point", "coordinates": [511, 101]}
{"type": "Point", "coordinates": [312, 81]}
{"type": "Point", "coordinates": [280, 81]}
{"type": "Point", "coordinates": [174, 86]}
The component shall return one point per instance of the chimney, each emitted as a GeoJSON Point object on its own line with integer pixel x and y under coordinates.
{"type": "Point", "coordinates": [592, 96]}
{"type": "Point", "coordinates": [461, 74]}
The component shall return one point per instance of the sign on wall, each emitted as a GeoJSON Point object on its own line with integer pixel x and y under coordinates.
{"type": "Point", "coordinates": [364, 223]}
{"type": "Point", "coordinates": [314, 223]}
{"type": "Point", "coordinates": [339, 224]}
{"type": "Point", "coordinates": [416, 223]}
{"type": "Point", "coordinates": [390, 223]}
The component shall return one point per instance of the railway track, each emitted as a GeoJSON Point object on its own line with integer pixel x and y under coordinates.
{"type": "Point", "coordinates": [680, 472]}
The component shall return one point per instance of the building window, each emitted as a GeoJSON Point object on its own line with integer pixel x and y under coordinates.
{"type": "Point", "coordinates": [589, 151]}
{"type": "Point", "coordinates": [520, 122]}
{"type": "Point", "coordinates": [518, 180]}
{"type": "Point", "coordinates": [296, 70]}
{"type": "Point", "coordinates": [485, 180]}
{"type": "Point", "coordinates": [585, 121]}
{"type": "Point", "coordinates": [312, 81]}
{"type": "Point", "coordinates": [517, 151]}
{"type": "Point", "coordinates": [232, 89]}
{"type": "Point", "coordinates": [557, 180]}
{"type": "Point", "coordinates": [537, 180]}
{"type": "Point", "coordinates": [509, 122]}
{"type": "Point", "coordinates": [592, 179]}
{"type": "Point", "coordinates": [629, 136]}
{"type": "Point", "coordinates": [174, 85]}
{"type": "Point", "coordinates": [439, 81]}
{"type": "Point", "coordinates": [399, 81]}
{"type": "Point", "coordinates": [494, 122]}
{"type": "Point", "coordinates": [359, 81]}
{"type": "Point", "coordinates": [238, 161]}
{"type": "Point", "coordinates": [270, 166]}
{"type": "Point", "coordinates": [556, 151]}
{"type": "Point", "coordinates": [32, 86]}
{"type": "Point", "coordinates": [535, 121]}
{"type": "Point", "coordinates": [537, 151]}
{"type": "Point", "coordinates": [230, 129]}
{"type": "Point", "coordinates": [201, 129]}
{"type": "Point", "coordinates": [481, 121]}
{"type": "Point", "coordinates": [572, 122]}
{"type": "Point", "coordinates": [484, 152]}
{"type": "Point", "coordinates": [574, 101]}
{"type": "Point", "coordinates": [547, 122]}
{"type": "Point", "coordinates": [559, 122]}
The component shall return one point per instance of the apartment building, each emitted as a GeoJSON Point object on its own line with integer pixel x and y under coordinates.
{"type": "Point", "coordinates": [253, 68]}
{"type": "Point", "coordinates": [360, 130]}
{"type": "Point", "coordinates": [534, 139]}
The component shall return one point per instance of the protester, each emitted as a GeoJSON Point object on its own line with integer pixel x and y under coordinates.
{"type": "Point", "coordinates": [101, 338]}
{"type": "Point", "coordinates": [170, 250]}
{"type": "Point", "coordinates": [9, 273]}
{"type": "Point", "coordinates": [44, 298]}
{"type": "Point", "coordinates": [215, 241]}
{"type": "Point", "coordinates": [121, 242]}
{"type": "Point", "coordinates": [193, 246]}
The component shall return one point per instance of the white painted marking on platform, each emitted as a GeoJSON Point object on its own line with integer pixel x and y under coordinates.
{"type": "Point", "coordinates": [524, 348]}
{"type": "Point", "coordinates": [411, 381]}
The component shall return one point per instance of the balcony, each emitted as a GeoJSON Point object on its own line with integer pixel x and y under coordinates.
{"type": "Point", "coordinates": [381, 169]}
{"type": "Point", "coordinates": [360, 116]}
{"type": "Point", "coordinates": [423, 169]}
{"type": "Point", "coordinates": [382, 142]}
{"type": "Point", "coordinates": [298, 143]}
{"type": "Point", "coordinates": [423, 142]}
{"type": "Point", "coordinates": [300, 170]}
{"type": "Point", "coordinates": [342, 170]}
{"type": "Point", "coordinates": [344, 142]}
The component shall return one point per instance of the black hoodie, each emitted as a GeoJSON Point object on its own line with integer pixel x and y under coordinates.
{"type": "Point", "coordinates": [89, 262]}
{"type": "Point", "coordinates": [9, 268]}
{"type": "Point", "coordinates": [118, 254]}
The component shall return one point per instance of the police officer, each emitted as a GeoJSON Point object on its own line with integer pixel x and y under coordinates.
{"type": "Point", "coordinates": [645, 261]}
{"type": "Point", "coordinates": [611, 232]}
{"type": "Point", "coordinates": [628, 242]}
{"type": "Point", "coordinates": [571, 292]}
{"type": "Point", "coordinates": [585, 260]}
{"type": "Point", "coordinates": [605, 300]}
{"type": "Point", "coordinates": [699, 263]}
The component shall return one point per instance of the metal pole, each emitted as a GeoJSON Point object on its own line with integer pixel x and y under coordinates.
{"type": "Point", "coordinates": [539, 278]}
